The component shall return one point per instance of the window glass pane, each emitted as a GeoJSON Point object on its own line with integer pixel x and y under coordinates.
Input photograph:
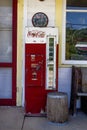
{"type": "Point", "coordinates": [76, 36]}
{"type": "Point", "coordinates": [6, 46]}
{"type": "Point", "coordinates": [5, 83]}
{"type": "Point", "coordinates": [6, 31]}
{"type": "Point", "coordinates": [6, 14]}
{"type": "Point", "coordinates": [76, 19]}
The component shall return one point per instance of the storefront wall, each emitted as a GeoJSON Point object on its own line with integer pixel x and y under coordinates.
{"type": "Point", "coordinates": [64, 84]}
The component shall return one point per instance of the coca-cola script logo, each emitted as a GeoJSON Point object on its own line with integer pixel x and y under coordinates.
{"type": "Point", "coordinates": [36, 34]}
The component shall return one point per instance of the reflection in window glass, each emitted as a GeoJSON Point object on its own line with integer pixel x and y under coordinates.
{"type": "Point", "coordinates": [76, 3]}
{"type": "Point", "coordinates": [76, 34]}
{"type": "Point", "coordinates": [6, 14]}
{"type": "Point", "coordinates": [6, 83]}
{"type": "Point", "coordinates": [6, 31]}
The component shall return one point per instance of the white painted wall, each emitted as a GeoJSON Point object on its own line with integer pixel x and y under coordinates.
{"type": "Point", "coordinates": [64, 81]}
{"type": "Point", "coordinates": [47, 7]}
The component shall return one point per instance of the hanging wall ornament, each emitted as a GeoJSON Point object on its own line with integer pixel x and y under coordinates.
{"type": "Point", "coordinates": [40, 19]}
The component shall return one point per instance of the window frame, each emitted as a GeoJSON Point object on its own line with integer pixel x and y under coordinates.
{"type": "Point", "coordinates": [64, 61]}
{"type": "Point", "coordinates": [13, 64]}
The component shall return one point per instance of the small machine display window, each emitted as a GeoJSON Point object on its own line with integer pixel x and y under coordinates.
{"type": "Point", "coordinates": [51, 62]}
{"type": "Point", "coordinates": [51, 49]}
{"type": "Point", "coordinates": [51, 76]}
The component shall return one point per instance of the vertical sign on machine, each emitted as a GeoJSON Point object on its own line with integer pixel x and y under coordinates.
{"type": "Point", "coordinates": [41, 67]}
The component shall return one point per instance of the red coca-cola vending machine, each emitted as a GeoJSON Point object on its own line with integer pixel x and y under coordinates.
{"type": "Point", "coordinates": [41, 67]}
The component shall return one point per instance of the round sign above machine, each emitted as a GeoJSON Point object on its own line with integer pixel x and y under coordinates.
{"type": "Point", "coordinates": [40, 19]}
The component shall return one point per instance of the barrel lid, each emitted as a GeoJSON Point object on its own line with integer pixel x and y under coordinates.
{"type": "Point", "coordinates": [56, 94]}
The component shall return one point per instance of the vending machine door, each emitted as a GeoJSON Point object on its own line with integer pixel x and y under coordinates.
{"type": "Point", "coordinates": [35, 78]}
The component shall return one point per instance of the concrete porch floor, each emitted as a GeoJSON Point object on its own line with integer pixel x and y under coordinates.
{"type": "Point", "coordinates": [11, 118]}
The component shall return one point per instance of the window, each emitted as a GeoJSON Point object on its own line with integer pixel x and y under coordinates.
{"type": "Point", "coordinates": [75, 42]}
{"type": "Point", "coordinates": [51, 63]}
{"type": "Point", "coordinates": [8, 51]}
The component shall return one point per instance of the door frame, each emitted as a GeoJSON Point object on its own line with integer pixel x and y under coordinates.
{"type": "Point", "coordinates": [12, 101]}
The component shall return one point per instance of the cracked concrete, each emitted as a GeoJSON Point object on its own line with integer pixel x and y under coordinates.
{"type": "Point", "coordinates": [11, 118]}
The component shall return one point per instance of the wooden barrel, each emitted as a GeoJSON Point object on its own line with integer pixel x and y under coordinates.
{"type": "Point", "coordinates": [57, 107]}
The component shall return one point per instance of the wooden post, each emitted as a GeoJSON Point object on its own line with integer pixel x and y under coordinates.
{"type": "Point", "coordinates": [57, 107]}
